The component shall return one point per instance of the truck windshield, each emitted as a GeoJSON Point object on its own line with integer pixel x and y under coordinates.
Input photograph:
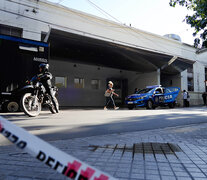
{"type": "Point", "coordinates": [143, 91]}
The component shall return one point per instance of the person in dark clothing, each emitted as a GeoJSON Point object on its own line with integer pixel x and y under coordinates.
{"type": "Point", "coordinates": [204, 98]}
{"type": "Point", "coordinates": [136, 90]}
{"type": "Point", "coordinates": [185, 98]}
{"type": "Point", "coordinates": [45, 78]}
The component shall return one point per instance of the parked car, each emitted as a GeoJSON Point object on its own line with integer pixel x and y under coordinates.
{"type": "Point", "coordinates": [153, 96]}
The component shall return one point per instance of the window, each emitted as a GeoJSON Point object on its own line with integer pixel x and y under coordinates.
{"type": "Point", "coordinates": [190, 84]}
{"type": "Point", "coordinates": [95, 84]}
{"type": "Point", "coordinates": [167, 91]}
{"type": "Point", "coordinates": [158, 91]}
{"type": "Point", "coordinates": [79, 82]}
{"type": "Point", "coordinates": [11, 31]}
{"type": "Point", "coordinates": [142, 91]}
{"type": "Point", "coordinates": [61, 82]}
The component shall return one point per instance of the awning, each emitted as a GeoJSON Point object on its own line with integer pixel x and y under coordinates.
{"type": "Point", "coordinates": [80, 49]}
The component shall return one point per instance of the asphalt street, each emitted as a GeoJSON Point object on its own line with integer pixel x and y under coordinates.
{"type": "Point", "coordinates": [161, 144]}
{"type": "Point", "coordinates": [78, 123]}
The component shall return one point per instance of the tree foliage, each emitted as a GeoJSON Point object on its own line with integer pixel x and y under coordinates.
{"type": "Point", "coordinates": [198, 20]}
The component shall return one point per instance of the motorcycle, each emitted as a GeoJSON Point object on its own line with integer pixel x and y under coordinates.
{"type": "Point", "coordinates": [35, 97]}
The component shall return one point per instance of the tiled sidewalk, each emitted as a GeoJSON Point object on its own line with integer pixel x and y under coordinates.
{"type": "Point", "coordinates": [166, 154]}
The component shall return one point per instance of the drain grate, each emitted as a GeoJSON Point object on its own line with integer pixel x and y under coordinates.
{"type": "Point", "coordinates": [144, 148]}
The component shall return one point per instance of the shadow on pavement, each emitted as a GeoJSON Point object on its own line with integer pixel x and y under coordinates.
{"type": "Point", "coordinates": [131, 123]}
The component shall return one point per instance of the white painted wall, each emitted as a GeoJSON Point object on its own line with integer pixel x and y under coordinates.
{"type": "Point", "coordinates": [59, 17]}
{"type": "Point", "coordinates": [199, 77]}
{"type": "Point", "coordinates": [31, 35]}
{"type": "Point", "coordinates": [202, 58]}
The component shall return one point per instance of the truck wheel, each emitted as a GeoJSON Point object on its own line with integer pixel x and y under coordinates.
{"type": "Point", "coordinates": [12, 106]}
{"type": "Point", "coordinates": [150, 105]}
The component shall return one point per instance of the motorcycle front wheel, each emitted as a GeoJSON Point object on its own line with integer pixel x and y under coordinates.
{"type": "Point", "coordinates": [30, 105]}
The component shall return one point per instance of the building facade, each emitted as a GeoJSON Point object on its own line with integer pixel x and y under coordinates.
{"type": "Point", "coordinates": [87, 51]}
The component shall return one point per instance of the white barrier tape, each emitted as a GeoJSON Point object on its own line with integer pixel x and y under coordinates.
{"type": "Point", "coordinates": [51, 156]}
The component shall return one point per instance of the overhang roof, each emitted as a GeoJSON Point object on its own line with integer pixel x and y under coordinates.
{"type": "Point", "coordinates": [80, 49]}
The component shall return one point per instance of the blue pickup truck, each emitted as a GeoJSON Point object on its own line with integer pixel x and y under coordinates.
{"type": "Point", "coordinates": [152, 97]}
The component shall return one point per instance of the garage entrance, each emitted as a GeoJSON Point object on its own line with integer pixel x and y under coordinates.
{"type": "Point", "coordinates": [85, 64]}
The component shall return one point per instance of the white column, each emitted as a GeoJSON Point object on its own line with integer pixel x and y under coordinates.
{"type": "Point", "coordinates": [184, 80]}
{"type": "Point", "coordinates": [199, 77]}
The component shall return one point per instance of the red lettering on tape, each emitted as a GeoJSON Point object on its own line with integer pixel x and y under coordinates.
{"type": "Point", "coordinates": [88, 173]}
{"type": "Point", "coordinates": [1, 127]}
{"type": "Point", "coordinates": [102, 177]}
{"type": "Point", "coordinates": [75, 166]}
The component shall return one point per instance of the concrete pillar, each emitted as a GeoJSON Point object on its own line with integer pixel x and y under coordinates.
{"type": "Point", "coordinates": [184, 80]}
{"type": "Point", "coordinates": [158, 76]}
{"type": "Point", "coordinates": [199, 77]}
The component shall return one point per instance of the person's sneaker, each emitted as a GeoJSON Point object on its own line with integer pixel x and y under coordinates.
{"type": "Point", "coordinates": [116, 108]}
{"type": "Point", "coordinates": [105, 108]}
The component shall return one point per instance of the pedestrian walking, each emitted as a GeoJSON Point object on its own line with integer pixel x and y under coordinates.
{"type": "Point", "coordinates": [204, 98]}
{"type": "Point", "coordinates": [185, 97]}
{"type": "Point", "coordinates": [109, 96]}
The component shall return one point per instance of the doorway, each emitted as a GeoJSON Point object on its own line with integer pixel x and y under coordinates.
{"type": "Point", "coordinates": [121, 88]}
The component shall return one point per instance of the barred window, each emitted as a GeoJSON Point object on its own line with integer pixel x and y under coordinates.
{"type": "Point", "coordinates": [79, 82]}
{"type": "Point", "coordinates": [61, 82]}
{"type": "Point", "coordinates": [10, 30]}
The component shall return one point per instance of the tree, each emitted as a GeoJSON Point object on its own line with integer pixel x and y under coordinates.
{"type": "Point", "coordinates": [197, 20]}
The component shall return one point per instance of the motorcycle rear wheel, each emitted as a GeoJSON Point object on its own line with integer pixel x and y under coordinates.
{"type": "Point", "coordinates": [26, 102]}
